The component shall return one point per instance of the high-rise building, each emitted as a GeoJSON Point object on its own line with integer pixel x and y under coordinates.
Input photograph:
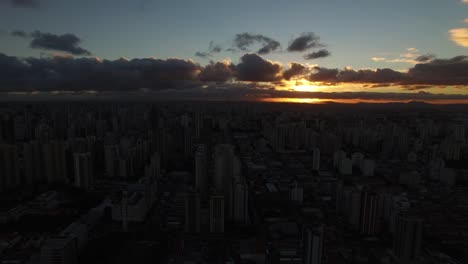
{"type": "Point", "coordinates": [316, 159]}
{"type": "Point", "coordinates": [192, 212]}
{"type": "Point", "coordinates": [32, 162]}
{"type": "Point", "coordinates": [297, 193]}
{"type": "Point", "coordinates": [217, 214]}
{"type": "Point", "coordinates": [312, 244]}
{"type": "Point", "coordinates": [224, 167]}
{"type": "Point", "coordinates": [111, 154]}
{"type": "Point", "coordinates": [54, 157]}
{"type": "Point", "coordinates": [201, 171]}
{"type": "Point", "coordinates": [83, 169]}
{"type": "Point", "coordinates": [407, 240]}
{"type": "Point", "coordinates": [240, 206]}
{"type": "Point", "coordinates": [371, 213]}
{"type": "Point", "coordinates": [9, 167]}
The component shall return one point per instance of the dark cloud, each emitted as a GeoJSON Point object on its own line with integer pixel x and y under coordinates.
{"type": "Point", "coordinates": [438, 72]}
{"type": "Point", "coordinates": [296, 69]}
{"type": "Point", "coordinates": [244, 40]}
{"type": "Point", "coordinates": [65, 73]}
{"type": "Point", "coordinates": [425, 58]}
{"type": "Point", "coordinates": [304, 42]}
{"type": "Point", "coordinates": [19, 34]}
{"type": "Point", "coordinates": [256, 69]}
{"type": "Point", "coordinates": [25, 3]}
{"type": "Point", "coordinates": [452, 71]}
{"type": "Point", "coordinates": [212, 49]}
{"type": "Point", "coordinates": [324, 75]}
{"type": "Point", "coordinates": [218, 72]}
{"type": "Point", "coordinates": [318, 54]}
{"type": "Point", "coordinates": [67, 43]}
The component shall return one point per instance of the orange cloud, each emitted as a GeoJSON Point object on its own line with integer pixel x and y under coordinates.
{"type": "Point", "coordinates": [460, 36]}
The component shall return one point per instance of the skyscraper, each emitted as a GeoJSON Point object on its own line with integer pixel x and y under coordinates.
{"type": "Point", "coordinates": [407, 240]}
{"type": "Point", "coordinates": [192, 212]}
{"type": "Point", "coordinates": [240, 205]}
{"type": "Point", "coordinates": [371, 213]}
{"type": "Point", "coordinates": [312, 244]}
{"type": "Point", "coordinates": [83, 168]}
{"type": "Point", "coordinates": [201, 172]}
{"type": "Point", "coordinates": [316, 159]}
{"type": "Point", "coordinates": [217, 213]}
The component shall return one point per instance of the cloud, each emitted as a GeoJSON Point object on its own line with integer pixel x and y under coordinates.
{"type": "Point", "coordinates": [77, 74]}
{"type": "Point", "coordinates": [304, 42]}
{"type": "Point", "coordinates": [256, 69]}
{"type": "Point", "coordinates": [19, 34]}
{"type": "Point", "coordinates": [459, 36]}
{"type": "Point", "coordinates": [425, 58]}
{"type": "Point", "coordinates": [295, 69]}
{"type": "Point", "coordinates": [218, 72]}
{"type": "Point", "coordinates": [323, 53]}
{"type": "Point", "coordinates": [440, 72]}
{"type": "Point", "coordinates": [244, 40]}
{"type": "Point", "coordinates": [378, 59]}
{"type": "Point", "coordinates": [67, 43]}
{"type": "Point", "coordinates": [212, 49]}
{"type": "Point", "coordinates": [25, 3]}
{"type": "Point", "coordinates": [436, 72]}
{"type": "Point", "coordinates": [465, 20]}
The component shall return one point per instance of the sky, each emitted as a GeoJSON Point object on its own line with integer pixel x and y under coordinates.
{"type": "Point", "coordinates": [248, 39]}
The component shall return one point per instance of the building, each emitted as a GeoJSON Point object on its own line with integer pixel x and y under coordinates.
{"type": "Point", "coordinates": [192, 212]}
{"type": "Point", "coordinates": [312, 244]}
{"type": "Point", "coordinates": [59, 250]}
{"type": "Point", "coordinates": [217, 214]}
{"type": "Point", "coordinates": [240, 206]}
{"type": "Point", "coordinates": [316, 159]}
{"type": "Point", "coordinates": [371, 213]}
{"type": "Point", "coordinates": [201, 171]}
{"type": "Point", "coordinates": [83, 168]}
{"type": "Point", "coordinates": [407, 240]}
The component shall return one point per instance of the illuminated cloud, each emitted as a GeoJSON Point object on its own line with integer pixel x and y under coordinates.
{"type": "Point", "coordinates": [295, 69]}
{"type": "Point", "coordinates": [465, 20]}
{"type": "Point", "coordinates": [459, 36]}
{"type": "Point", "coordinates": [244, 40]}
{"type": "Point", "coordinates": [378, 58]}
{"type": "Point", "coordinates": [218, 72]}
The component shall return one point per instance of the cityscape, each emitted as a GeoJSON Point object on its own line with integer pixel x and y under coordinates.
{"type": "Point", "coordinates": [233, 132]}
{"type": "Point", "coordinates": [188, 182]}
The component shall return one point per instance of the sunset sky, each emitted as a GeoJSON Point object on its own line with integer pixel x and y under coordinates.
{"type": "Point", "coordinates": [321, 46]}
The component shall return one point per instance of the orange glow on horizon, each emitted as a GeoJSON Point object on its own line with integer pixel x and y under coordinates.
{"type": "Point", "coordinates": [355, 101]}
